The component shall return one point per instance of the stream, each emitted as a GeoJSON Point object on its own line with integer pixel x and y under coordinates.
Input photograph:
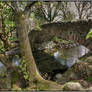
{"type": "Point", "coordinates": [69, 56]}
{"type": "Point", "coordinates": [66, 56]}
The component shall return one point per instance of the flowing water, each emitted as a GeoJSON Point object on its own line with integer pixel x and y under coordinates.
{"type": "Point", "coordinates": [69, 56]}
{"type": "Point", "coordinates": [16, 60]}
{"type": "Point", "coordinates": [66, 56]}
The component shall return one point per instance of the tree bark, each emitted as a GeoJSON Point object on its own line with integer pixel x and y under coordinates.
{"type": "Point", "coordinates": [25, 47]}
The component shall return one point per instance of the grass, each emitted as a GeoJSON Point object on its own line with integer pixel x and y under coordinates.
{"type": "Point", "coordinates": [90, 62]}
{"type": "Point", "coordinates": [89, 79]}
{"type": "Point", "coordinates": [62, 41]}
{"type": "Point", "coordinates": [83, 59]}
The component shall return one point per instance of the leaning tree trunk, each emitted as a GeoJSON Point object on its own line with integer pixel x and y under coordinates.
{"type": "Point", "coordinates": [25, 46]}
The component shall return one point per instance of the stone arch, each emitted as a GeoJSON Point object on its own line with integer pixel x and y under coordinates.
{"type": "Point", "coordinates": [79, 30]}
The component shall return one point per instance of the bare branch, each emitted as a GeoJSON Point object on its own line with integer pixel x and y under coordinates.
{"type": "Point", "coordinates": [13, 51]}
{"type": "Point", "coordinates": [28, 7]}
{"type": "Point", "coordinates": [10, 6]}
{"type": "Point", "coordinates": [3, 59]}
{"type": "Point", "coordinates": [15, 5]}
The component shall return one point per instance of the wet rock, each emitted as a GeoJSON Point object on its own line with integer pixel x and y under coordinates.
{"type": "Point", "coordinates": [46, 63]}
{"type": "Point", "coordinates": [80, 70]}
{"type": "Point", "coordinates": [57, 72]}
{"type": "Point", "coordinates": [73, 76]}
{"type": "Point", "coordinates": [15, 87]}
{"type": "Point", "coordinates": [67, 76]}
{"type": "Point", "coordinates": [5, 83]}
{"type": "Point", "coordinates": [47, 45]}
{"type": "Point", "coordinates": [90, 88]}
{"type": "Point", "coordinates": [3, 69]}
{"type": "Point", "coordinates": [84, 83]}
{"type": "Point", "coordinates": [58, 76]}
{"type": "Point", "coordinates": [71, 86]}
{"type": "Point", "coordinates": [83, 70]}
{"type": "Point", "coordinates": [69, 57]}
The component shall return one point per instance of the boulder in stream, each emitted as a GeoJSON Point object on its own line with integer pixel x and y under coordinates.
{"type": "Point", "coordinates": [72, 86]}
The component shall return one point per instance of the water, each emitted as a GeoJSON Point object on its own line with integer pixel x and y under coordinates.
{"type": "Point", "coordinates": [69, 57]}
{"type": "Point", "coordinates": [16, 60]}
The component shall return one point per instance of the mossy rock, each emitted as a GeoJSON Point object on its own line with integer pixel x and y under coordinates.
{"type": "Point", "coordinates": [72, 86]}
{"type": "Point", "coordinates": [46, 63]}
{"type": "Point", "coordinates": [81, 70]}
{"type": "Point", "coordinates": [5, 83]}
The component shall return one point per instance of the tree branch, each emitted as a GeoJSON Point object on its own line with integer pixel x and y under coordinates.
{"type": "Point", "coordinates": [16, 6]}
{"type": "Point", "coordinates": [13, 51]}
{"type": "Point", "coordinates": [9, 5]}
{"type": "Point", "coordinates": [4, 60]}
{"type": "Point", "coordinates": [28, 7]}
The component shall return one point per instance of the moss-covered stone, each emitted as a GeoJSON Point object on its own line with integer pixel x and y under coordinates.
{"type": "Point", "coordinates": [5, 83]}
{"type": "Point", "coordinates": [72, 86]}
{"type": "Point", "coordinates": [80, 71]}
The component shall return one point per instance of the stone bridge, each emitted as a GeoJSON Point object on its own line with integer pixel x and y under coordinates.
{"type": "Point", "coordinates": [76, 31]}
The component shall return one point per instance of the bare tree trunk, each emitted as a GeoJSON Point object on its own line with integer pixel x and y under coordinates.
{"type": "Point", "coordinates": [25, 47]}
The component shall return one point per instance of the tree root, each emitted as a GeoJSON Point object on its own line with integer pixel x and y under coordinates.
{"type": "Point", "coordinates": [44, 85]}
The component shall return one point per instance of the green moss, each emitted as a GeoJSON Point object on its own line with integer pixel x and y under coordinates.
{"type": "Point", "coordinates": [15, 88]}
{"type": "Point", "coordinates": [16, 76]}
{"type": "Point", "coordinates": [89, 79]}
{"type": "Point", "coordinates": [62, 41]}
{"type": "Point", "coordinates": [83, 59]}
{"type": "Point", "coordinates": [13, 39]}
{"type": "Point", "coordinates": [90, 62]}
{"type": "Point", "coordinates": [43, 87]}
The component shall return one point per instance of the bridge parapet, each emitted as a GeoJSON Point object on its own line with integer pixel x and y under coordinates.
{"type": "Point", "coordinates": [75, 31]}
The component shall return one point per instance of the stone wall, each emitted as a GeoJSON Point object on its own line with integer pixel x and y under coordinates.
{"type": "Point", "coordinates": [76, 31]}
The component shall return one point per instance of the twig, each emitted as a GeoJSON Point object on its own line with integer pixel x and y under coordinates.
{"type": "Point", "coordinates": [9, 5]}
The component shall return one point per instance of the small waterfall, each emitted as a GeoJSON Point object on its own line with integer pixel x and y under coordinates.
{"type": "Point", "coordinates": [69, 57]}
